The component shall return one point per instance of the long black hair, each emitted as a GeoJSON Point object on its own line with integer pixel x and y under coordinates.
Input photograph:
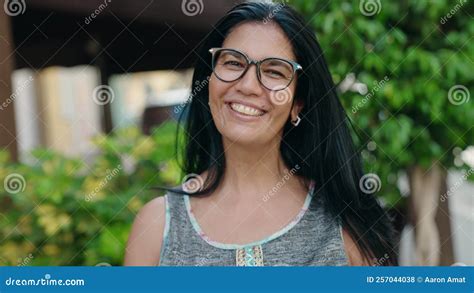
{"type": "Point", "coordinates": [321, 144]}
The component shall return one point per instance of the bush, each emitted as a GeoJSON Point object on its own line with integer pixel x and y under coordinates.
{"type": "Point", "coordinates": [65, 211]}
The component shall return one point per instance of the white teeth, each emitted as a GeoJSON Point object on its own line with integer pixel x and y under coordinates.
{"type": "Point", "coordinates": [246, 110]}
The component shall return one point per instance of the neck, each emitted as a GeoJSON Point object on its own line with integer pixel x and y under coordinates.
{"type": "Point", "coordinates": [252, 172]}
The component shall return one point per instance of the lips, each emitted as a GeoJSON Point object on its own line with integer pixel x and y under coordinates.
{"type": "Point", "coordinates": [246, 110]}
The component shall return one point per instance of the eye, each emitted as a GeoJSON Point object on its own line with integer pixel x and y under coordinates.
{"type": "Point", "coordinates": [274, 73]}
{"type": "Point", "coordinates": [233, 63]}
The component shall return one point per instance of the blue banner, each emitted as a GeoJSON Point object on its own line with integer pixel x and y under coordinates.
{"type": "Point", "coordinates": [233, 279]}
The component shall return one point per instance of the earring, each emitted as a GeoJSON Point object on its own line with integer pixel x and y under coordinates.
{"type": "Point", "coordinates": [297, 121]}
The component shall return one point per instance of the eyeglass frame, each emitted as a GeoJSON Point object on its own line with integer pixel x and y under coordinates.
{"type": "Point", "coordinates": [257, 63]}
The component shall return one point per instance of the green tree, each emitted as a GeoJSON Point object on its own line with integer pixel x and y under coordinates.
{"type": "Point", "coordinates": [416, 60]}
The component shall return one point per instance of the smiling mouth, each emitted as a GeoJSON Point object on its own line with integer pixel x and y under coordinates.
{"type": "Point", "coordinates": [246, 110]}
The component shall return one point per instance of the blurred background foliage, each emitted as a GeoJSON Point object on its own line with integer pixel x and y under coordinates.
{"type": "Point", "coordinates": [409, 54]}
{"type": "Point", "coordinates": [85, 211]}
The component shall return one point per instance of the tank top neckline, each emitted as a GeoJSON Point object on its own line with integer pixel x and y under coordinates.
{"type": "Point", "coordinates": [197, 228]}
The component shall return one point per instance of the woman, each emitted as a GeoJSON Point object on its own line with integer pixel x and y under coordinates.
{"type": "Point", "coordinates": [268, 143]}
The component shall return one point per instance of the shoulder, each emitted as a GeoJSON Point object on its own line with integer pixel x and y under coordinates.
{"type": "Point", "coordinates": [355, 256]}
{"type": "Point", "coordinates": [146, 236]}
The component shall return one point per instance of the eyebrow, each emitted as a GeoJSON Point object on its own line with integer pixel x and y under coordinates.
{"type": "Point", "coordinates": [269, 57]}
{"type": "Point", "coordinates": [234, 53]}
{"type": "Point", "coordinates": [274, 62]}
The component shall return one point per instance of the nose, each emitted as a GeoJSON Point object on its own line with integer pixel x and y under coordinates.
{"type": "Point", "coordinates": [249, 84]}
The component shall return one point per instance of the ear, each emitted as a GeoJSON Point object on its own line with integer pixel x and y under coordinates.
{"type": "Point", "coordinates": [296, 109]}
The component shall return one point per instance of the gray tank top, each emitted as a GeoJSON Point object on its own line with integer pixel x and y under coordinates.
{"type": "Point", "coordinates": [312, 238]}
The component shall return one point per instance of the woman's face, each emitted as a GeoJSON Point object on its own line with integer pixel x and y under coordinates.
{"type": "Point", "coordinates": [244, 111]}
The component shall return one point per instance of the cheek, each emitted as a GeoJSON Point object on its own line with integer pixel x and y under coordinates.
{"type": "Point", "coordinates": [282, 98]}
{"type": "Point", "coordinates": [280, 116]}
{"type": "Point", "coordinates": [282, 104]}
{"type": "Point", "coordinates": [217, 91]}
{"type": "Point", "coordinates": [212, 91]}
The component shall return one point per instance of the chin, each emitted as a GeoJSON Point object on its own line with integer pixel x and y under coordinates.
{"type": "Point", "coordinates": [242, 135]}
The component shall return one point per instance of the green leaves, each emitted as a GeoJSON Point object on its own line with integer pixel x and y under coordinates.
{"type": "Point", "coordinates": [77, 213]}
{"type": "Point", "coordinates": [425, 49]}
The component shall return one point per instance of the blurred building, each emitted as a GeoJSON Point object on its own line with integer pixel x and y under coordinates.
{"type": "Point", "coordinates": [108, 40]}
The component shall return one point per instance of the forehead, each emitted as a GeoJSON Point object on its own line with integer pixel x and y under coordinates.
{"type": "Point", "coordinates": [260, 40]}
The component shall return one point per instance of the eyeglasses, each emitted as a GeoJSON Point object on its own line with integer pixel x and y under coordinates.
{"type": "Point", "coordinates": [273, 73]}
